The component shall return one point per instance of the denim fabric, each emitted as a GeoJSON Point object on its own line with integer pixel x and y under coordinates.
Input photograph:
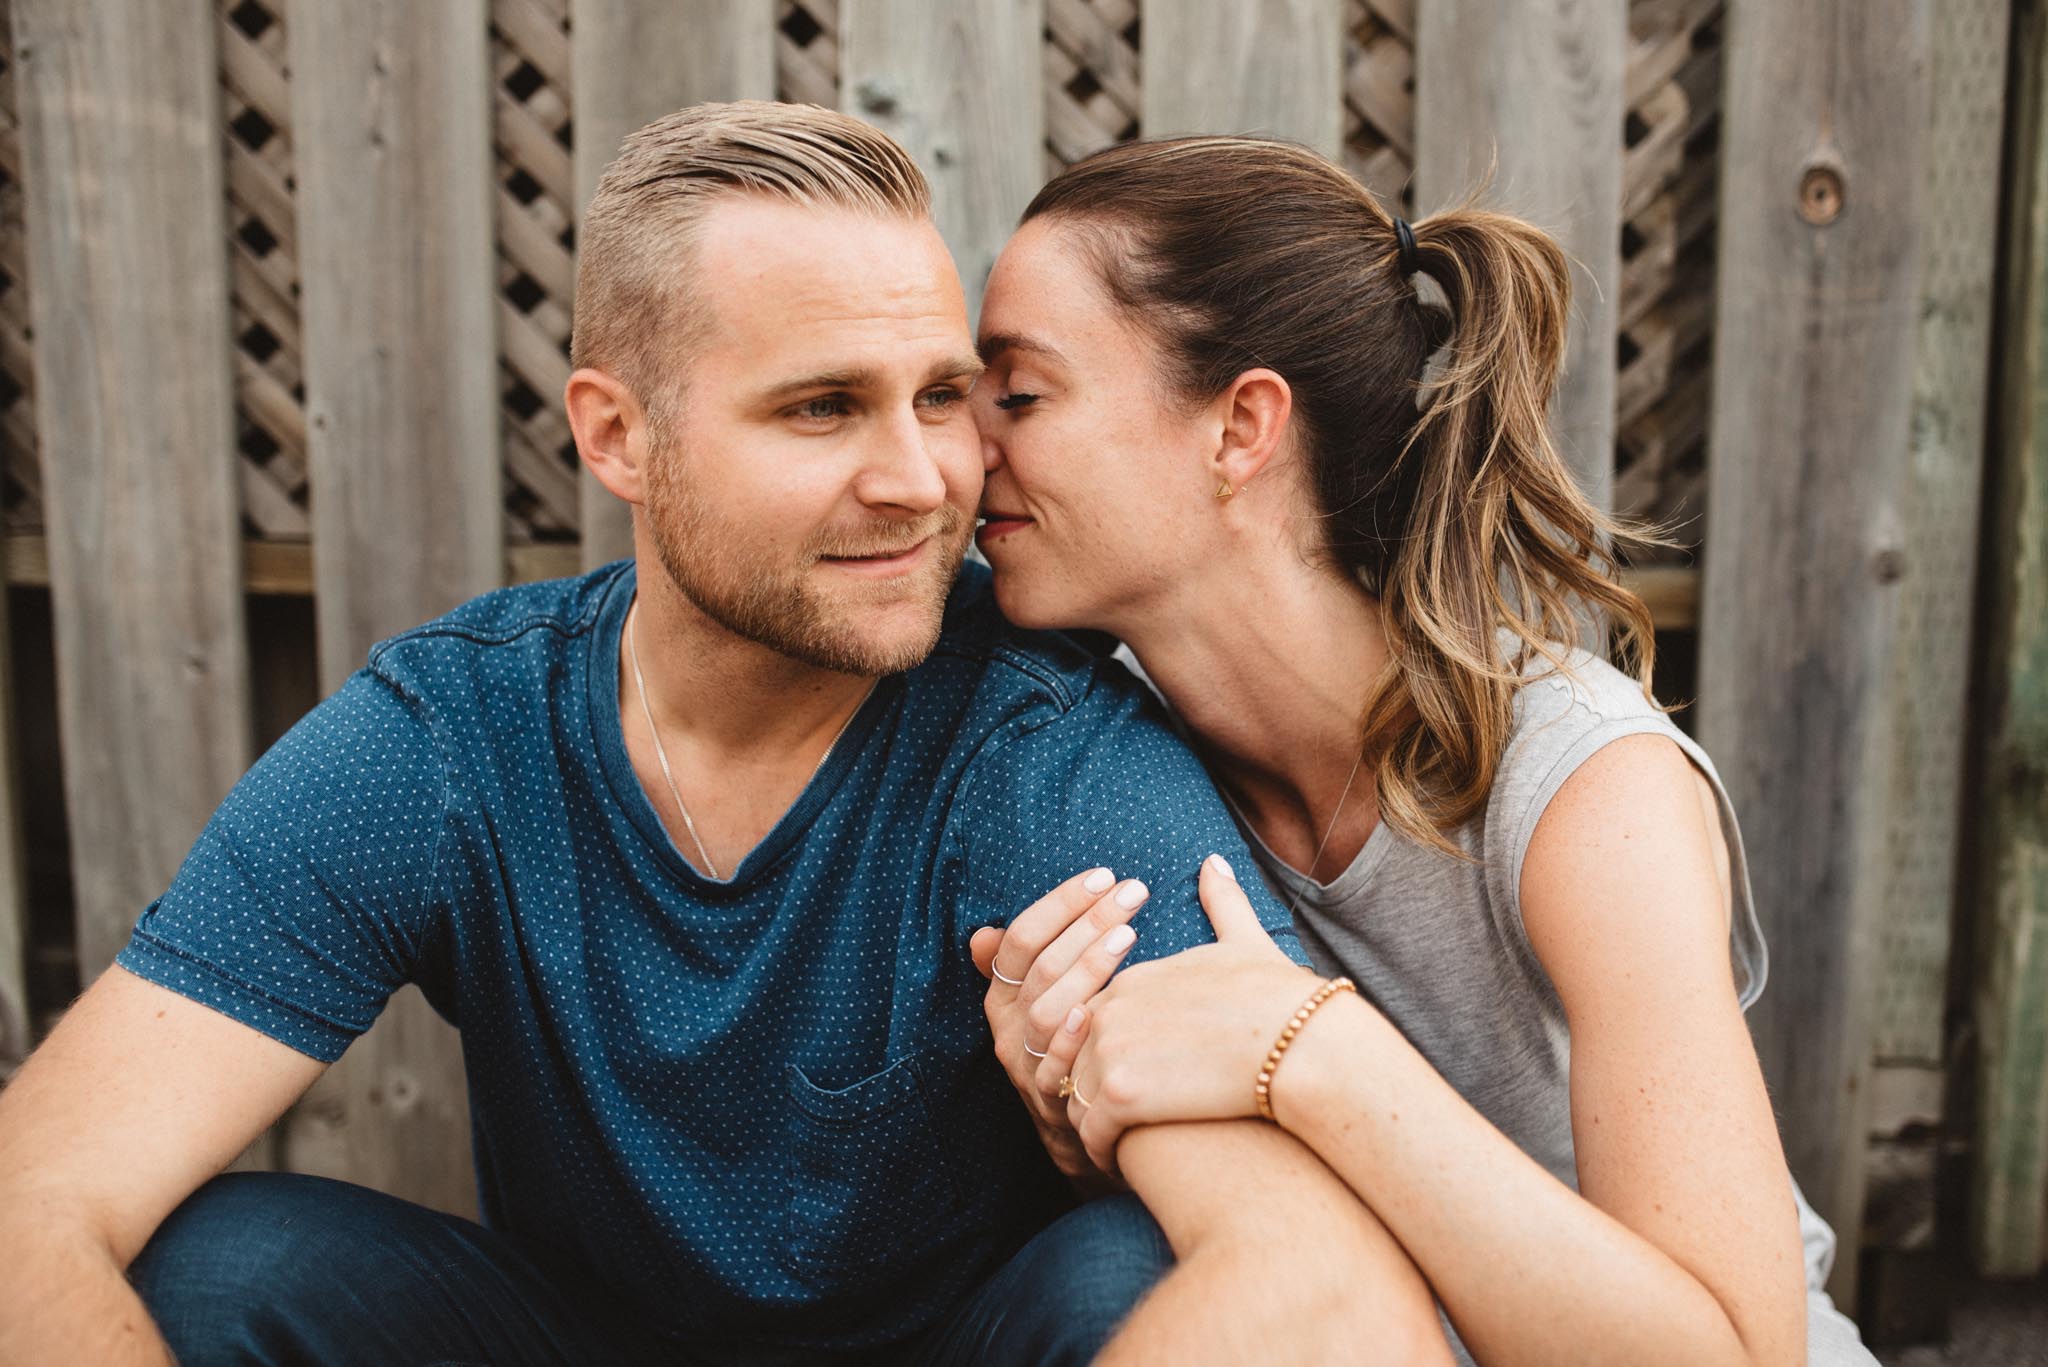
{"type": "Point", "coordinates": [292, 1270]}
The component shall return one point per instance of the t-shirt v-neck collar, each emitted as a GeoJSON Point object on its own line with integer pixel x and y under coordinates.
{"type": "Point", "coordinates": [1348, 883]}
{"type": "Point", "coordinates": [609, 739]}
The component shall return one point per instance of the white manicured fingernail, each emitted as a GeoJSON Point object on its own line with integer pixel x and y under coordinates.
{"type": "Point", "coordinates": [1223, 867]}
{"type": "Point", "coordinates": [1119, 940]}
{"type": "Point", "coordinates": [1131, 893]}
{"type": "Point", "coordinates": [1098, 881]}
{"type": "Point", "coordinates": [1074, 1019]}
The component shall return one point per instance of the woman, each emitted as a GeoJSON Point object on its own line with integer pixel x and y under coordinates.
{"type": "Point", "coordinates": [1209, 431]}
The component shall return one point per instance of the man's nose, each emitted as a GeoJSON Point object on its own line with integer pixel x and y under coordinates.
{"type": "Point", "coordinates": [902, 468]}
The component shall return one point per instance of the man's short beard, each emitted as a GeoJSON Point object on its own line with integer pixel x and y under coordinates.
{"type": "Point", "coordinates": [774, 604]}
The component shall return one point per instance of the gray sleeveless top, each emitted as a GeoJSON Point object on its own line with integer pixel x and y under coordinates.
{"type": "Point", "coordinates": [1438, 943]}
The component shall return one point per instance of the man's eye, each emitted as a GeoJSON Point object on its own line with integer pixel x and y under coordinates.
{"type": "Point", "coordinates": [821, 409]}
{"type": "Point", "coordinates": [1009, 401]}
{"type": "Point", "coordinates": [945, 396]}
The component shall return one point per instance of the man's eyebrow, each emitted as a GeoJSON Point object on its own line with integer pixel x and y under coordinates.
{"type": "Point", "coordinates": [966, 363]}
{"type": "Point", "coordinates": [820, 379]}
{"type": "Point", "coordinates": [862, 377]}
{"type": "Point", "coordinates": [996, 343]}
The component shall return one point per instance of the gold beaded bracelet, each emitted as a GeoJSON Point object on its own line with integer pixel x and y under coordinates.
{"type": "Point", "coordinates": [1263, 1090]}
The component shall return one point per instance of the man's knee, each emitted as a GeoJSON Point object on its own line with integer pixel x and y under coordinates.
{"type": "Point", "coordinates": [1083, 1275]}
{"type": "Point", "coordinates": [259, 1266]}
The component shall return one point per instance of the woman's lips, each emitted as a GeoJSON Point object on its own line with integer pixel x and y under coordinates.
{"type": "Point", "coordinates": [995, 526]}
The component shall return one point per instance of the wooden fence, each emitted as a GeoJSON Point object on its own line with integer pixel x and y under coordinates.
{"type": "Point", "coordinates": [257, 250]}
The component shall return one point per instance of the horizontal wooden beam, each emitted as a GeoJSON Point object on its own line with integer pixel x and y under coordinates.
{"type": "Point", "coordinates": [285, 569]}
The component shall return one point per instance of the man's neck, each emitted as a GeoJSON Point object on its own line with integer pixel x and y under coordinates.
{"type": "Point", "coordinates": [719, 694]}
{"type": "Point", "coordinates": [738, 730]}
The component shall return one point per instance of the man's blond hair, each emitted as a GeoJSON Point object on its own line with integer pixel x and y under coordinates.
{"type": "Point", "coordinates": [634, 314]}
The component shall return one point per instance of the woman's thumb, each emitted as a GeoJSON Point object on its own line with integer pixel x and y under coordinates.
{"type": "Point", "coordinates": [982, 945]}
{"type": "Point", "coordinates": [1230, 911]}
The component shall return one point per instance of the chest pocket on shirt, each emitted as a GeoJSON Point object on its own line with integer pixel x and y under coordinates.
{"type": "Point", "coordinates": [869, 1182]}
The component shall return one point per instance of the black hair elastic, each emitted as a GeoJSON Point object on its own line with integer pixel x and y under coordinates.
{"type": "Point", "coordinates": [1405, 235]}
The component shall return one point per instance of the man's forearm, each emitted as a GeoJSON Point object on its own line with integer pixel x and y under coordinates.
{"type": "Point", "coordinates": [1278, 1260]}
{"type": "Point", "coordinates": [1219, 1305]}
{"type": "Point", "coordinates": [64, 1298]}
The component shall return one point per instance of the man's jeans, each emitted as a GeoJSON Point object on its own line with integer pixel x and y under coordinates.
{"type": "Point", "coordinates": [285, 1268]}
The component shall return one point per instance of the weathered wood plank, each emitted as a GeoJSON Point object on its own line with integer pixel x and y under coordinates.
{"type": "Point", "coordinates": [2010, 1178]}
{"type": "Point", "coordinates": [391, 123]}
{"type": "Point", "coordinates": [634, 61]}
{"type": "Point", "coordinates": [1534, 90]}
{"type": "Point", "coordinates": [1246, 66]}
{"type": "Point", "coordinates": [16, 1029]}
{"type": "Point", "coordinates": [1824, 175]}
{"type": "Point", "coordinates": [15, 1032]}
{"type": "Point", "coordinates": [1940, 507]}
{"type": "Point", "coordinates": [962, 91]}
{"type": "Point", "coordinates": [125, 206]}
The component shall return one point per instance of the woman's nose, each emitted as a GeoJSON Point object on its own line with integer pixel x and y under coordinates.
{"type": "Point", "coordinates": [991, 448]}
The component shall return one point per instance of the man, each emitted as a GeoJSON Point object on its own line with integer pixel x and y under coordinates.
{"type": "Point", "coordinates": [690, 848]}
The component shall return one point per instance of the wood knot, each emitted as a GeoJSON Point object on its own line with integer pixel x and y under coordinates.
{"type": "Point", "coordinates": [875, 98]}
{"type": "Point", "coordinates": [1821, 194]}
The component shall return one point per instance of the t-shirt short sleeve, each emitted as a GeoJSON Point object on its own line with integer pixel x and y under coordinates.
{"type": "Point", "coordinates": [1104, 782]}
{"type": "Point", "coordinates": [308, 898]}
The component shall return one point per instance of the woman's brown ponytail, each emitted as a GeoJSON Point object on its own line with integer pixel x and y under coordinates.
{"type": "Point", "coordinates": [1500, 538]}
{"type": "Point", "coordinates": [1444, 493]}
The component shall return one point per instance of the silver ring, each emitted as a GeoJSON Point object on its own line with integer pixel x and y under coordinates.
{"type": "Point", "coordinates": [1035, 1053]}
{"type": "Point", "coordinates": [1014, 982]}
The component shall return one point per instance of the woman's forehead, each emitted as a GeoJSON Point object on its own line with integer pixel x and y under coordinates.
{"type": "Point", "coordinates": [1045, 298]}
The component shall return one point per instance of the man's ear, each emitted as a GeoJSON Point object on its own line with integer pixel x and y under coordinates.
{"type": "Point", "coordinates": [610, 428]}
{"type": "Point", "coordinates": [1254, 412]}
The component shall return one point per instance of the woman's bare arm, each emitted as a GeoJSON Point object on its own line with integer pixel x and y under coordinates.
{"type": "Point", "coordinates": [1683, 1247]}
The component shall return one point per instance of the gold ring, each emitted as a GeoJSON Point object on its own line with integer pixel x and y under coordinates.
{"type": "Point", "coordinates": [1070, 1088]}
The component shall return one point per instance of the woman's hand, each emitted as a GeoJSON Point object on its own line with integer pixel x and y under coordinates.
{"type": "Point", "coordinates": [1184, 1037]}
{"type": "Point", "coordinates": [1056, 954]}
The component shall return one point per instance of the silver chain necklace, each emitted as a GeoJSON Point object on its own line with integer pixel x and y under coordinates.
{"type": "Point", "coordinates": [640, 684]}
{"type": "Point", "coordinates": [1328, 831]}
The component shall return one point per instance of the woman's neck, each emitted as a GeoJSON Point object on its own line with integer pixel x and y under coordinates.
{"type": "Point", "coordinates": [1268, 662]}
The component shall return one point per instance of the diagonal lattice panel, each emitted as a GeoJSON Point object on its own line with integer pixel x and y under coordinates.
{"type": "Point", "coordinates": [535, 215]}
{"type": "Point", "coordinates": [1670, 160]}
{"type": "Point", "coordinates": [21, 501]}
{"type": "Point", "coordinates": [1379, 97]}
{"type": "Point", "coordinates": [807, 52]}
{"type": "Point", "coordinates": [1093, 73]}
{"type": "Point", "coordinates": [263, 283]}
{"type": "Point", "coordinates": [1092, 78]}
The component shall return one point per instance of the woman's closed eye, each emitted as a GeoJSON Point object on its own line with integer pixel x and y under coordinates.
{"type": "Point", "coordinates": [1009, 402]}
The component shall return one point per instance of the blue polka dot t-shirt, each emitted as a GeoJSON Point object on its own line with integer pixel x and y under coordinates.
{"type": "Point", "coordinates": [765, 1109]}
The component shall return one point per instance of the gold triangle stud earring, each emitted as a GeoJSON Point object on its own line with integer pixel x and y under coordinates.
{"type": "Point", "coordinates": [1224, 490]}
